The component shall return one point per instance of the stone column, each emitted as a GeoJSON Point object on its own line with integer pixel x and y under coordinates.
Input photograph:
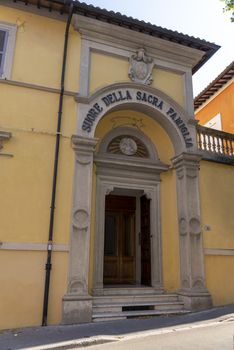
{"type": "Point", "coordinates": [103, 190]}
{"type": "Point", "coordinates": [77, 303]}
{"type": "Point", "coordinates": [155, 239]}
{"type": "Point", "coordinates": [193, 290]}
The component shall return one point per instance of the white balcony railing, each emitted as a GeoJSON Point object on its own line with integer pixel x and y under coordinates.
{"type": "Point", "coordinates": [215, 142]}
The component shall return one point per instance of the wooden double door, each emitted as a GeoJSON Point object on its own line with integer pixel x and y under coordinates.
{"type": "Point", "coordinates": [120, 240]}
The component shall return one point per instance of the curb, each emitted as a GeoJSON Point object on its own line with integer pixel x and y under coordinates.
{"type": "Point", "coordinates": [75, 344]}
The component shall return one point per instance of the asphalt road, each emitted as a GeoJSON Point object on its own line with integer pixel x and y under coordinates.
{"type": "Point", "coordinates": [212, 337]}
{"type": "Point", "coordinates": [174, 331]}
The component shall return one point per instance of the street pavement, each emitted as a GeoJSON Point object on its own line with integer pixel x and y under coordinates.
{"type": "Point", "coordinates": [217, 336]}
{"type": "Point", "coordinates": [70, 337]}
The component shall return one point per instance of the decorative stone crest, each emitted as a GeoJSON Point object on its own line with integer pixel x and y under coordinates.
{"type": "Point", "coordinates": [81, 219]}
{"type": "Point", "coordinates": [141, 66]}
{"type": "Point", "coordinates": [182, 226]}
{"type": "Point", "coordinates": [77, 286]}
{"type": "Point", "coordinates": [128, 146]}
{"type": "Point", "coordinates": [195, 226]}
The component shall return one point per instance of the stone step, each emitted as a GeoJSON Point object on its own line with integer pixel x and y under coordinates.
{"type": "Point", "coordinates": [129, 290]}
{"type": "Point", "coordinates": [106, 319]}
{"type": "Point", "coordinates": [111, 316]}
{"type": "Point", "coordinates": [117, 307]}
{"type": "Point", "coordinates": [121, 299]}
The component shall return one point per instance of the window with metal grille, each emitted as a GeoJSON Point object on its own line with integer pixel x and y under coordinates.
{"type": "Point", "coordinates": [3, 46]}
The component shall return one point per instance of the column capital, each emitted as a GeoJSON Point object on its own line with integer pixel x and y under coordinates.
{"type": "Point", "coordinates": [186, 159]}
{"type": "Point", "coordinates": [84, 144]}
{"type": "Point", "coordinates": [186, 164]}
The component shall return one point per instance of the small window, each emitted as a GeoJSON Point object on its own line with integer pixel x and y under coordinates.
{"type": "Point", "coordinates": [7, 45]}
{"type": "Point", "coordinates": [215, 123]}
{"type": "Point", "coordinates": [3, 45]}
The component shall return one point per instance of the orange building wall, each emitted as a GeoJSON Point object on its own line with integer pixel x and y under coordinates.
{"type": "Point", "coordinates": [223, 103]}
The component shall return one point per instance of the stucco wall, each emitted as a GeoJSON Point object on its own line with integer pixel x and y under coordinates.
{"type": "Point", "coordinates": [26, 177]}
{"type": "Point", "coordinates": [217, 197]}
{"type": "Point", "coordinates": [106, 69]}
{"type": "Point", "coordinates": [41, 63]}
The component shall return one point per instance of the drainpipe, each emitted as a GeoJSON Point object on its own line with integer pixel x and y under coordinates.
{"type": "Point", "coordinates": [48, 264]}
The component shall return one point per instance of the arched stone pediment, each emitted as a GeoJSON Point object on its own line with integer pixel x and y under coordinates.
{"type": "Point", "coordinates": [147, 150]}
{"type": "Point", "coordinates": [156, 104]}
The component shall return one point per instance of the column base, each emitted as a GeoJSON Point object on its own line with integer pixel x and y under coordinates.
{"type": "Point", "coordinates": [195, 301]}
{"type": "Point", "coordinates": [76, 309]}
{"type": "Point", "coordinates": [98, 291]}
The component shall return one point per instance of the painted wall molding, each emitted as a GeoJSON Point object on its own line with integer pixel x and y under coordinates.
{"type": "Point", "coordinates": [33, 246]}
{"type": "Point", "coordinates": [219, 251]}
{"type": "Point", "coordinates": [36, 87]}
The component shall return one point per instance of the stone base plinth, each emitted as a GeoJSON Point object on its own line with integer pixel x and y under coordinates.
{"type": "Point", "coordinates": [76, 309]}
{"type": "Point", "coordinates": [195, 301]}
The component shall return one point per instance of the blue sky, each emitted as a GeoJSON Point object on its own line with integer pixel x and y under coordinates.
{"type": "Point", "coordinates": [203, 19]}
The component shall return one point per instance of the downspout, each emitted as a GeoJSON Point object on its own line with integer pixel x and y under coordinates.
{"type": "Point", "coordinates": [48, 264]}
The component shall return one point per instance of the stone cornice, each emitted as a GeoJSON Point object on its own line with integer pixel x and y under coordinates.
{"type": "Point", "coordinates": [156, 47]}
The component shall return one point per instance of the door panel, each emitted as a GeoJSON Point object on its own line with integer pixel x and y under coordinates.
{"type": "Point", "coordinates": [111, 266]}
{"type": "Point", "coordinates": [145, 242]}
{"type": "Point", "coordinates": [127, 248]}
{"type": "Point", "coordinates": [119, 249]}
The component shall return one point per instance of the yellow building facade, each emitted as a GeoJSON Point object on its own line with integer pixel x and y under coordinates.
{"type": "Point", "coordinates": [121, 210]}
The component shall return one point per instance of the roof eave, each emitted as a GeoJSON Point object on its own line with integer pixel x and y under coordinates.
{"type": "Point", "coordinates": [118, 19]}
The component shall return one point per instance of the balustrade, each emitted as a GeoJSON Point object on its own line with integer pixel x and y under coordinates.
{"type": "Point", "coordinates": [215, 142]}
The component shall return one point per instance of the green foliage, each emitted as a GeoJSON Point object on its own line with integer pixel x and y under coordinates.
{"type": "Point", "coordinates": [229, 6]}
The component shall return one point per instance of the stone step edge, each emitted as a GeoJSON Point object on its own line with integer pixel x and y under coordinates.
{"type": "Point", "coordinates": [140, 304]}
{"type": "Point", "coordinates": [163, 296]}
{"type": "Point", "coordinates": [138, 313]}
{"type": "Point", "coordinates": [146, 290]}
{"type": "Point", "coordinates": [132, 289]}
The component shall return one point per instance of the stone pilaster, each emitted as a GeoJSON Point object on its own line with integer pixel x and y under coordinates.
{"type": "Point", "coordinates": [77, 303]}
{"type": "Point", "coordinates": [193, 290]}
